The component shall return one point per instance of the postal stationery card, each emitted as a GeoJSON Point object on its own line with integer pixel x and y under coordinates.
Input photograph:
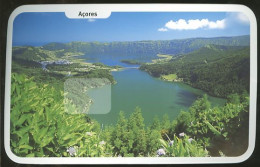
{"type": "Point", "coordinates": [130, 84]}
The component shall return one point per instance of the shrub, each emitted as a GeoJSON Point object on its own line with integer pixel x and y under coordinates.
{"type": "Point", "coordinates": [41, 128]}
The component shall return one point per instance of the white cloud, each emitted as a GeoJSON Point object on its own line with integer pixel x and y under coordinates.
{"type": "Point", "coordinates": [182, 24]}
{"type": "Point", "coordinates": [242, 18]}
{"type": "Point", "coordinates": [231, 19]}
{"type": "Point", "coordinates": [218, 24]}
{"type": "Point", "coordinates": [163, 29]}
{"type": "Point", "coordinates": [236, 19]}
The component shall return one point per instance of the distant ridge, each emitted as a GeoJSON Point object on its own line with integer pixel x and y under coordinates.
{"type": "Point", "coordinates": [176, 46]}
{"type": "Point", "coordinates": [144, 49]}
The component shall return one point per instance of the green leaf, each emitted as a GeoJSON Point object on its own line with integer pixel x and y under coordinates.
{"type": "Point", "coordinates": [26, 146]}
{"type": "Point", "coordinates": [82, 152]}
{"type": "Point", "coordinates": [21, 132]}
{"type": "Point", "coordinates": [24, 139]}
{"type": "Point", "coordinates": [43, 132]}
{"type": "Point", "coordinates": [67, 136]}
{"type": "Point", "coordinates": [225, 134]}
{"type": "Point", "coordinates": [46, 140]}
{"type": "Point", "coordinates": [214, 130]}
{"type": "Point", "coordinates": [163, 143]}
{"type": "Point", "coordinates": [65, 154]}
{"type": "Point", "coordinates": [22, 119]}
{"type": "Point", "coordinates": [18, 91]}
{"type": "Point", "coordinates": [30, 155]}
{"type": "Point", "coordinates": [50, 149]}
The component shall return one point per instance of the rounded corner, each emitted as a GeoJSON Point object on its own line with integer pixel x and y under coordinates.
{"type": "Point", "coordinates": [247, 154]}
{"type": "Point", "coordinates": [16, 12]}
{"type": "Point", "coordinates": [10, 154]}
{"type": "Point", "coordinates": [248, 12]}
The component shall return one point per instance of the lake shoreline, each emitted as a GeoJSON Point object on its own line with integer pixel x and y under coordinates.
{"type": "Point", "coordinates": [180, 80]}
{"type": "Point", "coordinates": [134, 88]}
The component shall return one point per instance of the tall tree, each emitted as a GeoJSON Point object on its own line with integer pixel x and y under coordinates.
{"type": "Point", "coordinates": [137, 134]}
{"type": "Point", "coordinates": [120, 138]}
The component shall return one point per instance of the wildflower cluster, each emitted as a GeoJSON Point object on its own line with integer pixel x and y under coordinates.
{"type": "Point", "coordinates": [181, 146]}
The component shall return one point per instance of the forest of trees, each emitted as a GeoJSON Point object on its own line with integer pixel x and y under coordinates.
{"type": "Point", "coordinates": [131, 62]}
{"type": "Point", "coordinates": [219, 70]}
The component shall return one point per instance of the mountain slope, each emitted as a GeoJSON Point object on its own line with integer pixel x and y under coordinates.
{"type": "Point", "coordinates": [29, 53]}
{"type": "Point", "coordinates": [144, 49]}
{"type": "Point", "coordinates": [179, 46]}
{"type": "Point", "coordinates": [219, 70]}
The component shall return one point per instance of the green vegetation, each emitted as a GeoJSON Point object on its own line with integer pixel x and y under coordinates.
{"type": "Point", "coordinates": [40, 127]}
{"type": "Point", "coordinates": [33, 69]}
{"type": "Point", "coordinates": [219, 70]}
{"type": "Point", "coordinates": [75, 90]}
{"type": "Point", "coordinates": [183, 146]}
{"type": "Point", "coordinates": [131, 62]}
{"type": "Point", "coordinates": [48, 105]}
{"type": "Point", "coordinates": [100, 64]}
{"type": "Point", "coordinates": [169, 77]}
{"type": "Point", "coordinates": [219, 129]}
{"type": "Point", "coordinates": [74, 77]}
{"type": "Point", "coordinates": [98, 73]}
{"type": "Point", "coordinates": [56, 132]}
{"type": "Point", "coordinates": [130, 138]}
{"type": "Point", "coordinates": [59, 66]}
{"type": "Point", "coordinates": [40, 54]}
{"type": "Point", "coordinates": [162, 58]}
{"type": "Point", "coordinates": [203, 131]}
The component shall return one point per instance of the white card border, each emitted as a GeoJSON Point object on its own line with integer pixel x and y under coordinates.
{"type": "Point", "coordinates": [136, 8]}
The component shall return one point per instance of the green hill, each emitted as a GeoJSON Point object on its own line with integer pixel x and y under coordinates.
{"type": "Point", "coordinates": [219, 70]}
{"type": "Point", "coordinates": [30, 53]}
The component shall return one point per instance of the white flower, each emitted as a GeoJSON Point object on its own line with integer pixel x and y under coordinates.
{"type": "Point", "coordinates": [71, 151]}
{"type": "Point", "coordinates": [102, 142]}
{"type": "Point", "coordinates": [89, 133]}
{"type": "Point", "coordinates": [182, 134]}
{"type": "Point", "coordinates": [171, 143]}
{"type": "Point", "coordinates": [190, 140]}
{"type": "Point", "coordinates": [160, 152]}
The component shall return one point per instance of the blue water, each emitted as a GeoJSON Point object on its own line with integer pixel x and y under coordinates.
{"type": "Point", "coordinates": [115, 59]}
{"type": "Point", "coordinates": [154, 96]}
{"type": "Point", "coordinates": [137, 88]}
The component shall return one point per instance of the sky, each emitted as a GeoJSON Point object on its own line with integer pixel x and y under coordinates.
{"type": "Point", "coordinates": [41, 28]}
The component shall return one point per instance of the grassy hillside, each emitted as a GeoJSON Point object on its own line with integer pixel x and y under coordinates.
{"type": "Point", "coordinates": [46, 66]}
{"type": "Point", "coordinates": [40, 54]}
{"type": "Point", "coordinates": [219, 70]}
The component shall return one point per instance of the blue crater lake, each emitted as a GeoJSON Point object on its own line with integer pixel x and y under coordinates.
{"type": "Point", "coordinates": [137, 88]}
